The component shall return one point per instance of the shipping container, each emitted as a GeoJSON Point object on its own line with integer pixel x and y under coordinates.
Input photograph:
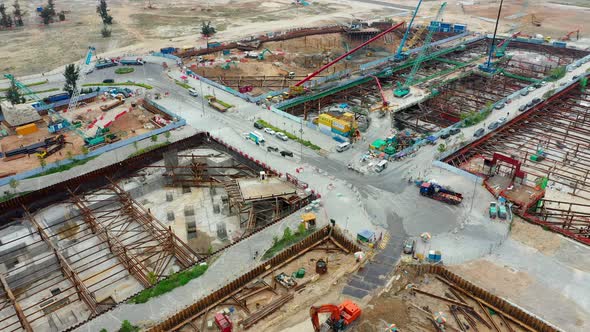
{"type": "Point", "coordinates": [26, 129]}
{"type": "Point", "coordinates": [56, 97]}
{"type": "Point", "coordinates": [167, 50]}
{"type": "Point", "coordinates": [341, 133]}
{"type": "Point", "coordinates": [460, 28]}
{"type": "Point", "coordinates": [559, 44]}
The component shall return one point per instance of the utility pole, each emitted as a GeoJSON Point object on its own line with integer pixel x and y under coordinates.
{"type": "Point", "coordinates": [202, 98]}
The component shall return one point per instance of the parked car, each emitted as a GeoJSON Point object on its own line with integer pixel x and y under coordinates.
{"type": "Point", "coordinates": [409, 246]}
{"type": "Point", "coordinates": [193, 92]}
{"type": "Point", "coordinates": [502, 119]}
{"type": "Point", "coordinates": [445, 135]}
{"type": "Point", "coordinates": [479, 132]}
{"type": "Point", "coordinates": [282, 136]}
{"type": "Point", "coordinates": [499, 106]}
{"type": "Point", "coordinates": [269, 131]}
{"type": "Point", "coordinates": [455, 131]}
{"type": "Point", "coordinates": [536, 101]}
{"type": "Point", "coordinates": [272, 149]}
{"type": "Point", "coordinates": [524, 92]}
{"type": "Point", "coordinates": [494, 125]}
{"type": "Point", "coordinates": [575, 77]}
{"type": "Point", "coordinates": [286, 153]}
{"type": "Point", "coordinates": [493, 210]}
{"type": "Point", "coordinates": [258, 125]}
{"type": "Point", "coordinates": [108, 80]}
{"type": "Point", "coordinates": [531, 88]}
{"type": "Point", "coordinates": [522, 108]}
{"type": "Point", "coordinates": [502, 213]}
{"type": "Point", "coordinates": [543, 83]}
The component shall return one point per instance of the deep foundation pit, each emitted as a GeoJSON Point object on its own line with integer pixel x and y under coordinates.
{"type": "Point", "coordinates": [239, 69]}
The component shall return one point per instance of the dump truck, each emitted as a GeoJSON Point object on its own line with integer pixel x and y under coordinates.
{"type": "Point", "coordinates": [213, 102]}
{"type": "Point", "coordinates": [112, 105]}
{"type": "Point", "coordinates": [439, 193]}
{"type": "Point", "coordinates": [105, 64]}
{"type": "Point", "coordinates": [136, 62]}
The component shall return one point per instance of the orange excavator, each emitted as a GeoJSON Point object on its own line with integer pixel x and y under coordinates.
{"type": "Point", "coordinates": [341, 316]}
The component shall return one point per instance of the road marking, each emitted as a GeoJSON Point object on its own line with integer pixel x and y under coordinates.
{"type": "Point", "coordinates": [384, 240]}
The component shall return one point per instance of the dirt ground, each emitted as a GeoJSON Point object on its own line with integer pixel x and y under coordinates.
{"type": "Point", "coordinates": [557, 17]}
{"type": "Point", "coordinates": [318, 290]}
{"type": "Point", "coordinates": [132, 123]}
{"type": "Point", "coordinates": [299, 55]}
{"type": "Point", "coordinates": [138, 29]}
{"type": "Point", "coordinates": [412, 311]}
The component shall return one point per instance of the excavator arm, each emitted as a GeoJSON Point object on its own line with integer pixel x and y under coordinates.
{"type": "Point", "coordinates": [326, 308]}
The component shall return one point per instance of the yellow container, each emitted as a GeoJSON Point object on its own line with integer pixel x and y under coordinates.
{"type": "Point", "coordinates": [326, 119]}
{"type": "Point", "coordinates": [26, 129]}
{"type": "Point", "coordinates": [348, 116]}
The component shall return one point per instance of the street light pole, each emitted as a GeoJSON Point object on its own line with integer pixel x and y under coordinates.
{"type": "Point", "coordinates": [202, 98]}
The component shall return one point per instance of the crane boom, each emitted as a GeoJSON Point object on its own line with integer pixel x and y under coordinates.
{"type": "Point", "coordinates": [399, 55]}
{"type": "Point", "coordinates": [404, 90]}
{"type": "Point", "coordinates": [84, 71]}
{"type": "Point", "coordinates": [504, 44]}
{"type": "Point", "coordinates": [54, 115]}
{"type": "Point", "coordinates": [328, 65]}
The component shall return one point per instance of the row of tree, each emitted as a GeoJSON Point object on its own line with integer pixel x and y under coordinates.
{"type": "Point", "coordinates": [8, 21]}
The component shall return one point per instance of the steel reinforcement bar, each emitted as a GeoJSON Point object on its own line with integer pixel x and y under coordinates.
{"type": "Point", "coordinates": [510, 311]}
{"type": "Point", "coordinates": [176, 321]}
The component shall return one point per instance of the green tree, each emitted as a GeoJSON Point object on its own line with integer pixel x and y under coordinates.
{"type": "Point", "coordinates": [442, 148]}
{"type": "Point", "coordinates": [301, 228]}
{"type": "Point", "coordinates": [103, 11]}
{"type": "Point", "coordinates": [103, 330]}
{"type": "Point", "coordinates": [46, 15]}
{"type": "Point", "coordinates": [5, 19]}
{"type": "Point", "coordinates": [154, 138]}
{"type": "Point", "coordinates": [84, 149]}
{"type": "Point", "coordinates": [275, 240]}
{"type": "Point", "coordinates": [135, 145]}
{"type": "Point", "coordinates": [13, 94]}
{"type": "Point", "coordinates": [51, 7]}
{"type": "Point", "coordinates": [167, 135]}
{"type": "Point", "coordinates": [72, 73]}
{"type": "Point", "coordinates": [207, 31]}
{"type": "Point", "coordinates": [128, 327]}
{"type": "Point", "coordinates": [106, 32]}
{"type": "Point", "coordinates": [18, 14]}
{"type": "Point", "coordinates": [70, 155]}
{"type": "Point", "coordinates": [287, 235]}
{"type": "Point", "coordinates": [13, 184]}
{"type": "Point", "coordinates": [62, 16]}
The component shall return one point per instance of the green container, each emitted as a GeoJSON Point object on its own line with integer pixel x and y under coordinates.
{"type": "Point", "coordinates": [299, 273]}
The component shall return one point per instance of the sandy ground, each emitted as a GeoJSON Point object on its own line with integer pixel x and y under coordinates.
{"type": "Point", "coordinates": [138, 29]}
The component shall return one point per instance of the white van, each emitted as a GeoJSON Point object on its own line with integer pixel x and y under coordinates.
{"type": "Point", "coordinates": [343, 147]}
{"type": "Point", "coordinates": [381, 166]}
{"type": "Point", "coordinates": [193, 92]}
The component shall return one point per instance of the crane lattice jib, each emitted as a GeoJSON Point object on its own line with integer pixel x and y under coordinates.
{"type": "Point", "coordinates": [403, 42]}
{"type": "Point", "coordinates": [54, 115]}
{"type": "Point", "coordinates": [423, 52]}
{"type": "Point", "coordinates": [84, 71]}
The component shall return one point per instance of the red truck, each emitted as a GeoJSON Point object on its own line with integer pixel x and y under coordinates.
{"type": "Point", "coordinates": [223, 322]}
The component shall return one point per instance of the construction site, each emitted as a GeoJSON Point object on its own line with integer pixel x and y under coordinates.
{"type": "Point", "coordinates": [32, 134]}
{"type": "Point", "coordinates": [341, 169]}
